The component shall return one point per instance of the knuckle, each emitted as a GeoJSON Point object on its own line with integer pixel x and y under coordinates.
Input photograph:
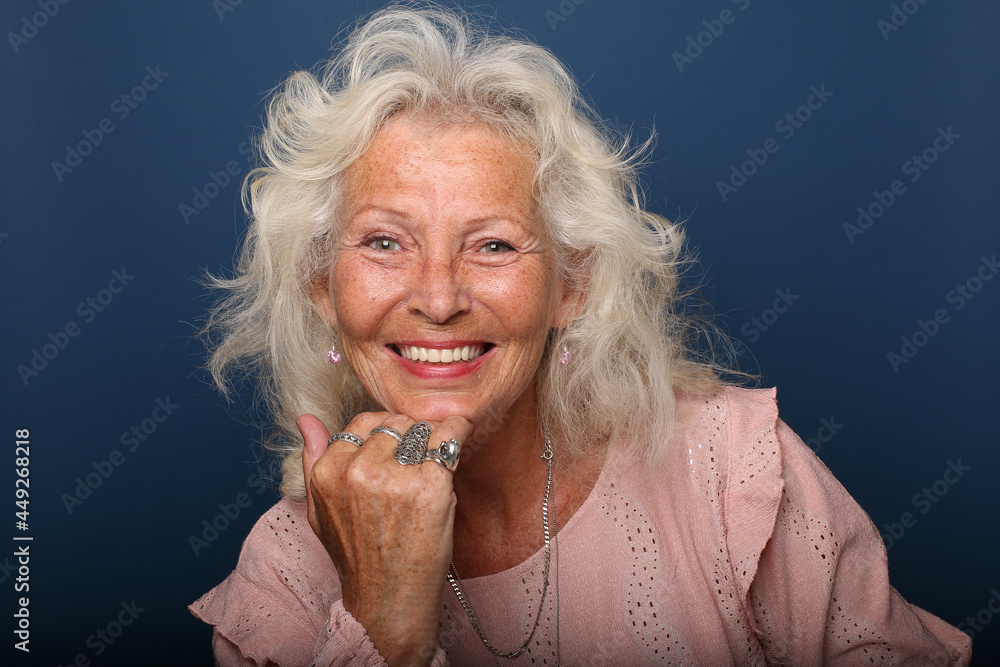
{"type": "Point", "coordinates": [399, 422]}
{"type": "Point", "coordinates": [363, 421]}
{"type": "Point", "coordinates": [323, 467]}
{"type": "Point", "coordinates": [457, 424]}
{"type": "Point", "coordinates": [360, 474]}
{"type": "Point", "coordinates": [325, 475]}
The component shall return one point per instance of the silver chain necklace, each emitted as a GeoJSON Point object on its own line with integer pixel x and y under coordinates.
{"type": "Point", "coordinates": [456, 581]}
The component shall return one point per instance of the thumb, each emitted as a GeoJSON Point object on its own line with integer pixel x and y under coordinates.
{"type": "Point", "coordinates": [315, 437]}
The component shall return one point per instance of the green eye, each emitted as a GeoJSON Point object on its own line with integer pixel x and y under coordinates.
{"type": "Point", "coordinates": [495, 246]}
{"type": "Point", "coordinates": [383, 244]}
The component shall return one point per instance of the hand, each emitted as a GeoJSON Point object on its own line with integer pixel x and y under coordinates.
{"type": "Point", "coordinates": [387, 527]}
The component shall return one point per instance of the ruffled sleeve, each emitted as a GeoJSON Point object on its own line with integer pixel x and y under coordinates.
{"type": "Point", "coordinates": [813, 566]}
{"type": "Point", "coordinates": [281, 606]}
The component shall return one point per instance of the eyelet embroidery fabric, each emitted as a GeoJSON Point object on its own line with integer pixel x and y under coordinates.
{"type": "Point", "coordinates": [525, 591]}
{"type": "Point", "coordinates": [643, 576]}
{"type": "Point", "coordinates": [541, 651]}
{"type": "Point", "coordinates": [842, 628]}
{"type": "Point", "coordinates": [244, 623]}
{"type": "Point", "coordinates": [285, 528]}
{"type": "Point", "coordinates": [729, 497]}
{"type": "Point", "coordinates": [713, 474]}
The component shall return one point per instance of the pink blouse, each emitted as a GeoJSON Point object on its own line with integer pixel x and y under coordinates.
{"type": "Point", "coordinates": [741, 550]}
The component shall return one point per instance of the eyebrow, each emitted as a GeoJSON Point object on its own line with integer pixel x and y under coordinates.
{"type": "Point", "coordinates": [375, 208]}
{"type": "Point", "coordinates": [498, 217]}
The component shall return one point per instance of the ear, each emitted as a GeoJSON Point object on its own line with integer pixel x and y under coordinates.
{"type": "Point", "coordinates": [574, 297]}
{"type": "Point", "coordinates": [319, 289]}
{"type": "Point", "coordinates": [570, 307]}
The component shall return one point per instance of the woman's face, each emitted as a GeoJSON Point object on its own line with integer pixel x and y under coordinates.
{"type": "Point", "coordinates": [444, 288]}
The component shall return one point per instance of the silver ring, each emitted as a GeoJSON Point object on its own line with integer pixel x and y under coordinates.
{"type": "Point", "coordinates": [413, 446]}
{"type": "Point", "coordinates": [447, 454]}
{"type": "Point", "coordinates": [346, 437]}
{"type": "Point", "coordinates": [388, 430]}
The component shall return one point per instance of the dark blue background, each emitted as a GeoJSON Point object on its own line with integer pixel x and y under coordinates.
{"type": "Point", "coordinates": [783, 229]}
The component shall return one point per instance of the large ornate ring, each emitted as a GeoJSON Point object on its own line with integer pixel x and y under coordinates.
{"type": "Point", "coordinates": [413, 446]}
{"type": "Point", "coordinates": [447, 454]}
{"type": "Point", "coordinates": [388, 430]}
{"type": "Point", "coordinates": [346, 437]}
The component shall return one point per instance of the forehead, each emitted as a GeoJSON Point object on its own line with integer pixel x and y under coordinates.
{"type": "Point", "coordinates": [431, 156]}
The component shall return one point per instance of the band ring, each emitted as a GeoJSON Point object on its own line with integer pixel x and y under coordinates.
{"type": "Point", "coordinates": [346, 437]}
{"type": "Point", "coordinates": [388, 430]}
{"type": "Point", "coordinates": [413, 445]}
{"type": "Point", "coordinates": [446, 455]}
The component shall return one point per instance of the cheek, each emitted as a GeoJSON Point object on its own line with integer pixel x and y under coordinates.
{"type": "Point", "coordinates": [362, 295]}
{"type": "Point", "coordinates": [524, 300]}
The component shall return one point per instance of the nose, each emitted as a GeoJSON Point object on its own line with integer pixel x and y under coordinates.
{"type": "Point", "coordinates": [439, 292]}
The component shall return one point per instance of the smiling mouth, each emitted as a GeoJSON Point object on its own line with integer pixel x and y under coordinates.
{"type": "Point", "coordinates": [433, 355]}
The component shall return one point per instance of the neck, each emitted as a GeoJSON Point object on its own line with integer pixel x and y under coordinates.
{"type": "Point", "coordinates": [499, 486]}
{"type": "Point", "coordinates": [500, 459]}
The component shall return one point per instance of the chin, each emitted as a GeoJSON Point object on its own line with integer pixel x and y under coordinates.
{"type": "Point", "coordinates": [437, 409]}
{"type": "Point", "coordinates": [428, 408]}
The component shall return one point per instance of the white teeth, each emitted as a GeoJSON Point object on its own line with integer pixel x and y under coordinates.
{"type": "Point", "coordinates": [438, 356]}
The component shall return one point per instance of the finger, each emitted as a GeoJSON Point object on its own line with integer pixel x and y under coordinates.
{"type": "Point", "coordinates": [362, 424]}
{"type": "Point", "coordinates": [452, 428]}
{"type": "Point", "coordinates": [314, 436]}
{"type": "Point", "coordinates": [383, 441]}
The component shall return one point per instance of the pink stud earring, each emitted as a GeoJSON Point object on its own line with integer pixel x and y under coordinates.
{"type": "Point", "coordinates": [565, 356]}
{"type": "Point", "coordinates": [333, 355]}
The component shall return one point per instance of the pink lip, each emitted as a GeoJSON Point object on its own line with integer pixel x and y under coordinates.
{"type": "Point", "coordinates": [441, 371]}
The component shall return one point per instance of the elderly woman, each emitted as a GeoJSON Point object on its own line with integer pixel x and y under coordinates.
{"type": "Point", "coordinates": [528, 465]}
